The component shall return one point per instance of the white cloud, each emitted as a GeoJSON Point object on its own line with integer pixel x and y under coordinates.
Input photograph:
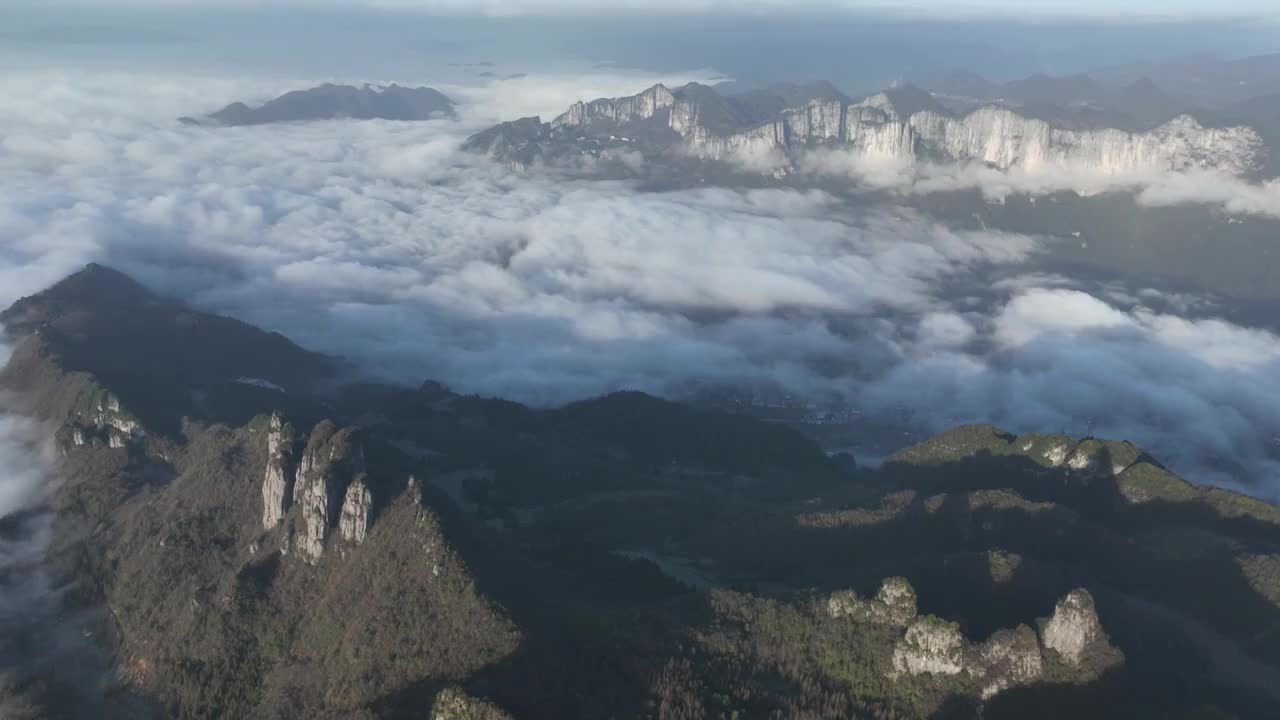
{"type": "Point", "coordinates": [1037, 311]}
{"type": "Point", "coordinates": [1227, 192]}
{"type": "Point", "coordinates": [23, 463]}
{"type": "Point", "coordinates": [945, 330]}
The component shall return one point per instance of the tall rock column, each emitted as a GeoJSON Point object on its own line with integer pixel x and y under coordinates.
{"type": "Point", "coordinates": [277, 486]}
{"type": "Point", "coordinates": [354, 521]}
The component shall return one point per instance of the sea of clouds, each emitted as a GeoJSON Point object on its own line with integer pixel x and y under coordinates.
{"type": "Point", "coordinates": [382, 242]}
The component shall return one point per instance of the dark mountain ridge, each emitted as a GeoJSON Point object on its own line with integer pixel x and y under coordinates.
{"type": "Point", "coordinates": [329, 101]}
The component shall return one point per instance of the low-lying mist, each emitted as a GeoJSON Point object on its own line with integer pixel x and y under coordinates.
{"type": "Point", "coordinates": [51, 662]}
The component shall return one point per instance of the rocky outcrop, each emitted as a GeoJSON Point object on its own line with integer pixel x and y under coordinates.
{"type": "Point", "coordinates": [353, 522]}
{"type": "Point", "coordinates": [1085, 460]}
{"type": "Point", "coordinates": [931, 645]}
{"type": "Point", "coordinates": [1073, 627]}
{"type": "Point", "coordinates": [902, 125]}
{"type": "Point", "coordinates": [277, 486]}
{"type": "Point", "coordinates": [1010, 657]}
{"type": "Point", "coordinates": [98, 420]}
{"type": "Point", "coordinates": [1007, 659]}
{"type": "Point", "coordinates": [101, 416]}
{"type": "Point", "coordinates": [454, 704]}
{"type": "Point", "coordinates": [894, 604]}
{"type": "Point", "coordinates": [331, 461]}
{"type": "Point", "coordinates": [1002, 565]}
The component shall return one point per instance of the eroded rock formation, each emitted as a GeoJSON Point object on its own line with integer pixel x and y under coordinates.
{"type": "Point", "coordinates": [1073, 627]}
{"type": "Point", "coordinates": [356, 506]}
{"type": "Point", "coordinates": [101, 420]}
{"type": "Point", "coordinates": [277, 486]}
{"type": "Point", "coordinates": [332, 459]}
{"type": "Point", "coordinates": [1009, 658]}
{"type": "Point", "coordinates": [931, 645]}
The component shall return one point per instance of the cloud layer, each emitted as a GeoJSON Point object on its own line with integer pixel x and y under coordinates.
{"type": "Point", "coordinates": [1229, 193]}
{"type": "Point", "coordinates": [381, 242]}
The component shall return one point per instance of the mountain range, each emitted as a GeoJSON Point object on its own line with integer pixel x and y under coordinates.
{"type": "Point", "coordinates": [328, 101]}
{"type": "Point", "coordinates": [1074, 99]}
{"type": "Point", "coordinates": [775, 125]}
{"type": "Point", "coordinates": [250, 530]}
{"type": "Point", "coordinates": [1203, 79]}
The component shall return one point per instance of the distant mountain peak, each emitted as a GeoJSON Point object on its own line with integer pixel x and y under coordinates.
{"type": "Point", "coordinates": [908, 99]}
{"type": "Point", "coordinates": [332, 101]}
{"type": "Point", "coordinates": [94, 284]}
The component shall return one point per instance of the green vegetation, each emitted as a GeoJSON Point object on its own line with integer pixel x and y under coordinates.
{"type": "Point", "coordinates": [1145, 482]}
{"type": "Point", "coordinates": [1263, 573]}
{"type": "Point", "coordinates": [1004, 565]}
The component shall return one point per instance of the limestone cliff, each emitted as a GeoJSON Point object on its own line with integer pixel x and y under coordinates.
{"type": "Point", "coordinates": [618, 110]}
{"type": "Point", "coordinates": [902, 126]}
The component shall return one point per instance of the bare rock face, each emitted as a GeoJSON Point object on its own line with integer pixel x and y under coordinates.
{"type": "Point", "coordinates": [277, 486]}
{"type": "Point", "coordinates": [354, 521]}
{"type": "Point", "coordinates": [331, 459]}
{"type": "Point", "coordinates": [1010, 657]}
{"type": "Point", "coordinates": [618, 110]}
{"type": "Point", "coordinates": [894, 604]}
{"type": "Point", "coordinates": [453, 704]}
{"type": "Point", "coordinates": [1007, 659]}
{"type": "Point", "coordinates": [100, 420]}
{"type": "Point", "coordinates": [1073, 627]}
{"type": "Point", "coordinates": [931, 645]}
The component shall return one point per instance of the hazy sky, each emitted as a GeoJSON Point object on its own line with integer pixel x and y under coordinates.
{"type": "Point", "coordinates": [1169, 8]}
{"type": "Point", "coordinates": [862, 48]}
